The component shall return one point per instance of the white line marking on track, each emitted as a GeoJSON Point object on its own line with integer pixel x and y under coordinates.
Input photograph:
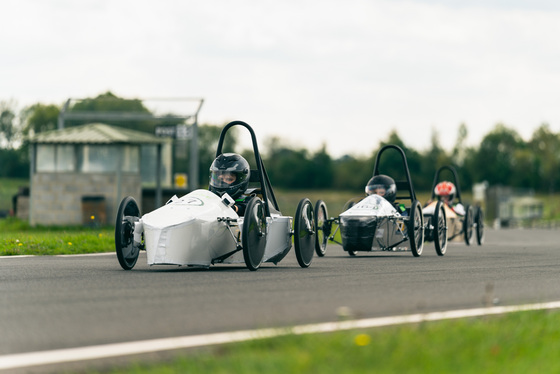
{"type": "Point", "coordinates": [90, 254]}
{"type": "Point", "coordinates": [16, 256]}
{"type": "Point", "coordinates": [21, 360]}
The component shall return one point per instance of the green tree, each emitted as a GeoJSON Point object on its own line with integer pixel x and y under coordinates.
{"type": "Point", "coordinates": [39, 117]}
{"type": "Point", "coordinates": [351, 173]}
{"type": "Point", "coordinates": [15, 163]}
{"type": "Point", "coordinates": [494, 160]}
{"type": "Point", "coordinates": [525, 169]}
{"type": "Point", "coordinates": [110, 103]}
{"type": "Point", "coordinates": [286, 167]}
{"type": "Point", "coordinates": [545, 148]}
{"type": "Point", "coordinates": [322, 169]}
{"type": "Point", "coordinates": [289, 168]}
{"type": "Point", "coordinates": [14, 159]}
{"type": "Point", "coordinates": [10, 131]}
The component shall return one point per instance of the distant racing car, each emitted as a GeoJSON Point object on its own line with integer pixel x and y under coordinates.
{"type": "Point", "coordinates": [388, 221]}
{"type": "Point", "coordinates": [460, 220]}
{"type": "Point", "coordinates": [202, 228]}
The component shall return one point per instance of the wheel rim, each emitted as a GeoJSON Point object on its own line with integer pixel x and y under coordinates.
{"type": "Point", "coordinates": [321, 217]}
{"type": "Point", "coordinates": [305, 233]}
{"type": "Point", "coordinates": [254, 234]}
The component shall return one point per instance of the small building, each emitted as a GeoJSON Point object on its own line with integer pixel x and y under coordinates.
{"type": "Point", "coordinates": [511, 207]}
{"type": "Point", "coordinates": [80, 174]}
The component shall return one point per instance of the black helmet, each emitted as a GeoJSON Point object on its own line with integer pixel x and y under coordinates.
{"type": "Point", "coordinates": [384, 186]}
{"type": "Point", "coordinates": [229, 173]}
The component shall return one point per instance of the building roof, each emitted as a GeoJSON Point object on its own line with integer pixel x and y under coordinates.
{"type": "Point", "coordinates": [96, 133]}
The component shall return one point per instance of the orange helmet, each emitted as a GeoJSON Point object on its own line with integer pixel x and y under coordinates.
{"type": "Point", "coordinates": [446, 189]}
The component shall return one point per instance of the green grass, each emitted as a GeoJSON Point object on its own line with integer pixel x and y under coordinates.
{"type": "Point", "coordinates": [551, 207]}
{"type": "Point", "coordinates": [18, 238]}
{"type": "Point", "coordinates": [524, 342]}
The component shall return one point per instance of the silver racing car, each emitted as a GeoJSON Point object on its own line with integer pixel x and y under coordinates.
{"type": "Point", "coordinates": [206, 227]}
{"type": "Point", "coordinates": [389, 218]}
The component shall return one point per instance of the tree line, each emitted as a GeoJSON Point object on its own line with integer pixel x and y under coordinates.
{"type": "Point", "coordinates": [503, 157]}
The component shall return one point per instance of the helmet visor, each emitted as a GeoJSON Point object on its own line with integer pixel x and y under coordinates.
{"type": "Point", "coordinates": [224, 179]}
{"type": "Point", "coordinates": [376, 189]}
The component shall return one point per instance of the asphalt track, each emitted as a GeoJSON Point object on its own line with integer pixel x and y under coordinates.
{"type": "Point", "coordinates": [49, 303]}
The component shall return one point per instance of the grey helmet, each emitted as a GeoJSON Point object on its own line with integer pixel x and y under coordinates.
{"type": "Point", "coordinates": [385, 186]}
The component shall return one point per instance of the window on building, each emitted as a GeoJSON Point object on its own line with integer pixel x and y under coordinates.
{"type": "Point", "coordinates": [65, 158]}
{"type": "Point", "coordinates": [131, 159]}
{"type": "Point", "coordinates": [46, 158]}
{"type": "Point", "coordinates": [108, 158]}
{"type": "Point", "coordinates": [55, 158]}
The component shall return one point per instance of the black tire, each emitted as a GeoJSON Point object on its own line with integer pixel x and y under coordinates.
{"type": "Point", "coordinates": [479, 224]}
{"type": "Point", "coordinates": [305, 233]}
{"type": "Point", "coordinates": [127, 252]}
{"type": "Point", "coordinates": [253, 234]}
{"type": "Point", "coordinates": [349, 204]}
{"type": "Point", "coordinates": [439, 223]}
{"type": "Point", "coordinates": [415, 229]}
{"type": "Point", "coordinates": [323, 228]}
{"type": "Point", "coordinates": [468, 224]}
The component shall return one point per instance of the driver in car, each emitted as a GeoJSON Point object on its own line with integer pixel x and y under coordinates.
{"type": "Point", "coordinates": [386, 187]}
{"type": "Point", "coordinates": [446, 192]}
{"type": "Point", "coordinates": [230, 173]}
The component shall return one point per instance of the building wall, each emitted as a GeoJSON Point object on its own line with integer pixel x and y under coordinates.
{"type": "Point", "coordinates": [56, 198]}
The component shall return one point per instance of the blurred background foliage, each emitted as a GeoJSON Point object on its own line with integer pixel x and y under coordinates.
{"type": "Point", "coordinates": [502, 158]}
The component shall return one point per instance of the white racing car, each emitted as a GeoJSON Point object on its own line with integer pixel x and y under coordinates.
{"type": "Point", "coordinates": [381, 221]}
{"type": "Point", "coordinates": [202, 228]}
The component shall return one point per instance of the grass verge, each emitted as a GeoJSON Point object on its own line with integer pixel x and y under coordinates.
{"type": "Point", "coordinates": [18, 238]}
{"type": "Point", "coordinates": [524, 342]}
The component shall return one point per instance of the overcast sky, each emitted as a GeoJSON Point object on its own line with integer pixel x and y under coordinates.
{"type": "Point", "coordinates": [340, 73]}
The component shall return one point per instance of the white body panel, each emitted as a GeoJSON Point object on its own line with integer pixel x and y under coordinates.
{"type": "Point", "coordinates": [372, 205]}
{"type": "Point", "coordinates": [187, 232]}
{"type": "Point", "coordinates": [279, 240]}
